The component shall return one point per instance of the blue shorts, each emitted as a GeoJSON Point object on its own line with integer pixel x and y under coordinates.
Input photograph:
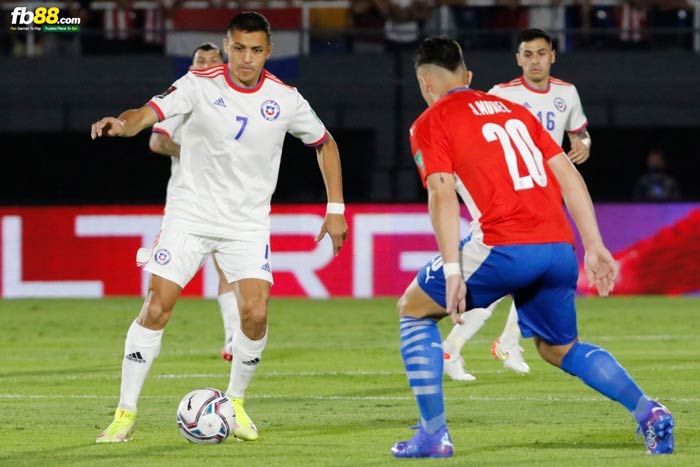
{"type": "Point", "coordinates": [540, 277]}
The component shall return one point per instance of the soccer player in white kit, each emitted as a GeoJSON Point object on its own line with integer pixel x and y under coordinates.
{"type": "Point", "coordinates": [235, 117]}
{"type": "Point", "coordinates": [558, 107]}
{"type": "Point", "coordinates": [166, 140]}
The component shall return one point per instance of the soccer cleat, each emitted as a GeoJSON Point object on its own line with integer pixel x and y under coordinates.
{"type": "Point", "coordinates": [657, 428]}
{"type": "Point", "coordinates": [243, 426]}
{"type": "Point", "coordinates": [121, 429]}
{"type": "Point", "coordinates": [512, 357]}
{"type": "Point", "coordinates": [425, 445]}
{"type": "Point", "coordinates": [227, 351]}
{"type": "Point", "coordinates": [453, 366]}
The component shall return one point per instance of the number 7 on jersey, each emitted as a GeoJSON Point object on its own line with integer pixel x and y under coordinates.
{"type": "Point", "coordinates": [244, 122]}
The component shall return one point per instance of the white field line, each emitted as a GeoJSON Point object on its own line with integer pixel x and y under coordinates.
{"type": "Point", "coordinates": [286, 374]}
{"type": "Point", "coordinates": [321, 397]}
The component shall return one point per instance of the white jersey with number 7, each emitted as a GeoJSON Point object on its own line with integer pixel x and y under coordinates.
{"type": "Point", "coordinates": [231, 149]}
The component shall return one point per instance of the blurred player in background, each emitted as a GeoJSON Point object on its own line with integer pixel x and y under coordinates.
{"type": "Point", "coordinates": [512, 176]}
{"type": "Point", "coordinates": [166, 139]}
{"type": "Point", "coordinates": [558, 107]}
{"type": "Point", "coordinates": [235, 118]}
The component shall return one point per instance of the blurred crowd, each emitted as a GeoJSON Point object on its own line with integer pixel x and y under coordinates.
{"type": "Point", "coordinates": [128, 26]}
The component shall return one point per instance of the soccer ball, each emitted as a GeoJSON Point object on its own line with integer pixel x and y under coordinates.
{"type": "Point", "coordinates": [205, 416]}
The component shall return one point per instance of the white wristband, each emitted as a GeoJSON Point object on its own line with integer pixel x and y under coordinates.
{"type": "Point", "coordinates": [335, 208]}
{"type": "Point", "coordinates": [451, 269]}
{"type": "Point", "coordinates": [586, 142]}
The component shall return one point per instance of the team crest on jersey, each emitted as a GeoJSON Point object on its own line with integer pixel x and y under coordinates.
{"type": "Point", "coordinates": [162, 256]}
{"type": "Point", "coordinates": [270, 110]}
{"type": "Point", "coordinates": [166, 92]}
{"type": "Point", "coordinates": [560, 104]}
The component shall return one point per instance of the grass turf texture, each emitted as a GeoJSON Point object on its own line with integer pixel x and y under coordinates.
{"type": "Point", "coordinates": [331, 388]}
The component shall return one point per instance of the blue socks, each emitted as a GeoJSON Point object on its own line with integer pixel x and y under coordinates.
{"type": "Point", "coordinates": [597, 368]}
{"type": "Point", "coordinates": [421, 350]}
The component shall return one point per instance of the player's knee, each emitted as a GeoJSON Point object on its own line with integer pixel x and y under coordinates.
{"type": "Point", "coordinates": [552, 354]}
{"type": "Point", "coordinates": [156, 313]}
{"type": "Point", "coordinates": [402, 305]}
{"type": "Point", "coordinates": [405, 306]}
{"type": "Point", "coordinates": [253, 309]}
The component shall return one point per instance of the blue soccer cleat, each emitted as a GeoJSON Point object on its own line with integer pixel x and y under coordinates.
{"type": "Point", "coordinates": [425, 445]}
{"type": "Point", "coordinates": [657, 428]}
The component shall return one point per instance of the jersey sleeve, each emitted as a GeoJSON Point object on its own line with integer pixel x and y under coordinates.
{"type": "Point", "coordinates": [430, 147]}
{"type": "Point", "coordinates": [306, 125]}
{"type": "Point", "coordinates": [178, 99]}
{"type": "Point", "coordinates": [170, 127]}
{"type": "Point", "coordinates": [577, 119]}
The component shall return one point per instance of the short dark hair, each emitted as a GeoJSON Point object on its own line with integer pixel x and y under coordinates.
{"type": "Point", "coordinates": [249, 21]}
{"type": "Point", "coordinates": [441, 51]}
{"type": "Point", "coordinates": [532, 34]}
{"type": "Point", "coordinates": [207, 46]}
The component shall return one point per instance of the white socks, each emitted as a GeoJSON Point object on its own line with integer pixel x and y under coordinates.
{"type": "Point", "coordinates": [246, 357]}
{"type": "Point", "coordinates": [474, 320]}
{"type": "Point", "coordinates": [511, 332]}
{"type": "Point", "coordinates": [229, 314]}
{"type": "Point", "coordinates": [142, 346]}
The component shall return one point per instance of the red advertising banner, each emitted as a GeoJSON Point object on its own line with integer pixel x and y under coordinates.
{"type": "Point", "coordinates": [89, 251]}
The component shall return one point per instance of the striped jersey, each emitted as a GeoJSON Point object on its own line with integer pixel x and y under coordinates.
{"type": "Point", "coordinates": [231, 149]}
{"type": "Point", "coordinates": [557, 107]}
{"type": "Point", "coordinates": [498, 153]}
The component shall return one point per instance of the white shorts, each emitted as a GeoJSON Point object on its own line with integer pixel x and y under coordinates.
{"type": "Point", "coordinates": [177, 256]}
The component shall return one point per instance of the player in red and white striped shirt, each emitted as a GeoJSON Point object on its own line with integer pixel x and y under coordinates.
{"type": "Point", "coordinates": [512, 176]}
{"type": "Point", "coordinates": [557, 106]}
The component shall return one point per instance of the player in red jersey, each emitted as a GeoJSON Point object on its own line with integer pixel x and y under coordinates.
{"type": "Point", "coordinates": [557, 105]}
{"type": "Point", "coordinates": [512, 177]}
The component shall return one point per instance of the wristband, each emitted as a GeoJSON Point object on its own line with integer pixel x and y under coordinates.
{"type": "Point", "coordinates": [586, 142]}
{"type": "Point", "coordinates": [335, 208]}
{"type": "Point", "coordinates": [451, 269]}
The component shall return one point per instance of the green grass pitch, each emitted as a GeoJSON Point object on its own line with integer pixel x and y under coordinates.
{"type": "Point", "coordinates": [331, 389]}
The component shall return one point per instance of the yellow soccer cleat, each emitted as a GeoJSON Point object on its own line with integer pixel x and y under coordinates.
{"type": "Point", "coordinates": [121, 429]}
{"type": "Point", "coordinates": [243, 426]}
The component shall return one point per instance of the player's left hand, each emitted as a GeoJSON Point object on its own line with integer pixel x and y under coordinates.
{"type": "Point", "coordinates": [579, 152]}
{"type": "Point", "coordinates": [601, 269]}
{"type": "Point", "coordinates": [334, 225]}
{"type": "Point", "coordinates": [455, 297]}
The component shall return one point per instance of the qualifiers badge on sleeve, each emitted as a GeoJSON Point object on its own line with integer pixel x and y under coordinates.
{"type": "Point", "coordinates": [166, 92]}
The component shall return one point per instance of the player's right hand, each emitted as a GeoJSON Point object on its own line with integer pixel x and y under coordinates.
{"type": "Point", "coordinates": [108, 126]}
{"type": "Point", "coordinates": [455, 297]}
{"type": "Point", "coordinates": [601, 269]}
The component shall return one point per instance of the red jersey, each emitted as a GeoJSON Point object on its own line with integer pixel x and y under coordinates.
{"type": "Point", "coordinates": [497, 151]}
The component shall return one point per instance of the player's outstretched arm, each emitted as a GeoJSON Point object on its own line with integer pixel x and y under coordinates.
{"type": "Point", "coordinates": [334, 223]}
{"type": "Point", "coordinates": [127, 124]}
{"type": "Point", "coordinates": [601, 268]}
{"type": "Point", "coordinates": [444, 215]}
{"type": "Point", "coordinates": [163, 144]}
